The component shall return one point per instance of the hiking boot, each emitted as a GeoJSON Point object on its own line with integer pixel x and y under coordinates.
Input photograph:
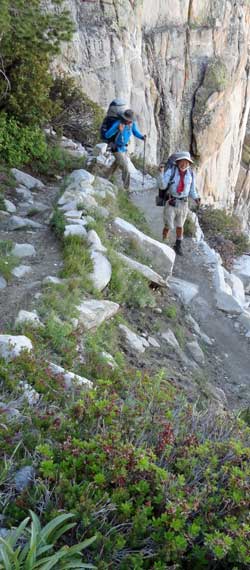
{"type": "Point", "coordinates": [177, 247]}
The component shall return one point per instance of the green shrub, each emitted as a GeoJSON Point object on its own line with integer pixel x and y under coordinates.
{"type": "Point", "coordinates": [37, 35]}
{"type": "Point", "coordinates": [131, 213]}
{"type": "Point", "coordinates": [170, 312]}
{"type": "Point", "coordinates": [77, 260]}
{"type": "Point", "coordinates": [34, 547]}
{"type": "Point", "coordinates": [7, 260]}
{"type": "Point", "coordinates": [20, 144]}
{"type": "Point", "coordinates": [58, 223]}
{"type": "Point", "coordinates": [127, 286]}
{"type": "Point", "coordinates": [189, 228]}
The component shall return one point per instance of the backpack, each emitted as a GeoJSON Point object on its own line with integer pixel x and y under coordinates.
{"type": "Point", "coordinates": [116, 107]}
{"type": "Point", "coordinates": [163, 194]}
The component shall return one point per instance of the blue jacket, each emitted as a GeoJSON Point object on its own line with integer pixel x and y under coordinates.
{"type": "Point", "coordinates": [123, 137]}
{"type": "Point", "coordinates": [189, 183]}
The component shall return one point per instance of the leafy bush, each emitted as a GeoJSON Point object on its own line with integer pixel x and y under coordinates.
{"type": "Point", "coordinates": [7, 260]}
{"type": "Point", "coordinates": [34, 548]}
{"type": "Point", "coordinates": [127, 286]}
{"type": "Point", "coordinates": [20, 144]}
{"type": "Point", "coordinates": [36, 34]}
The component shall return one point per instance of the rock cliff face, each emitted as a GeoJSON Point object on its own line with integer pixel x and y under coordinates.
{"type": "Point", "coordinates": [183, 67]}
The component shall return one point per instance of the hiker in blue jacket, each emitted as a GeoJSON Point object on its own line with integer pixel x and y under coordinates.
{"type": "Point", "coordinates": [123, 128]}
{"type": "Point", "coordinates": [181, 183]}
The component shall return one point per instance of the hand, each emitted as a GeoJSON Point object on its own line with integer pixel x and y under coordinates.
{"type": "Point", "coordinates": [121, 127]}
{"type": "Point", "coordinates": [161, 168]}
{"type": "Point", "coordinates": [144, 137]}
{"type": "Point", "coordinates": [198, 201]}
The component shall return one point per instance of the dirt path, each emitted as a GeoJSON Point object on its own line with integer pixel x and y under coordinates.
{"type": "Point", "coordinates": [19, 293]}
{"type": "Point", "coordinates": [228, 361]}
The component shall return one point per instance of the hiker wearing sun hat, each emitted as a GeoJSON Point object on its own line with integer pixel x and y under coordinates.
{"type": "Point", "coordinates": [123, 128]}
{"type": "Point", "coordinates": [179, 180]}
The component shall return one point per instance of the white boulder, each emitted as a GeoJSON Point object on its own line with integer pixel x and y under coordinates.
{"type": "Point", "coordinates": [27, 180]}
{"type": "Point", "coordinates": [3, 282]}
{"type": "Point", "coordinates": [241, 268]}
{"type": "Point", "coordinates": [170, 338]}
{"type": "Point", "coordinates": [145, 270]}
{"type": "Point", "coordinates": [161, 256]}
{"type": "Point", "coordinates": [102, 270]}
{"type": "Point", "coordinates": [70, 378]}
{"type": "Point", "coordinates": [185, 290]}
{"type": "Point", "coordinates": [244, 319]}
{"type": "Point", "coordinates": [133, 340]}
{"type": "Point", "coordinates": [21, 270]}
{"type": "Point", "coordinates": [196, 351]}
{"type": "Point", "coordinates": [10, 207]}
{"type": "Point", "coordinates": [19, 223]}
{"type": "Point", "coordinates": [95, 242]}
{"type": "Point", "coordinates": [25, 194]}
{"type": "Point", "coordinates": [93, 312]}
{"type": "Point", "coordinates": [228, 303]}
{"type": "Point", "coordinates": [80, 177]}
{"type": "Point", "coordinates": [11, 346]}
{"type": "Point", "coordinates": [237, 287]}
{"type": "Point", "coordinates": [23, 250]}
{"type": "Point", "coordinates": [28, 317]}
{"type": "Point", "coordinates": [75, 230]}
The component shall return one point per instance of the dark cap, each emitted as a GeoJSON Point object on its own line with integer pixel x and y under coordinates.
{"type": "Point", "coordinates": [128, 115]}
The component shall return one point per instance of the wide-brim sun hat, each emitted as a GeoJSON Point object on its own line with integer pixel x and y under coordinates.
{"type": "Point", "coordinates": [127, 115]}
{"type": "Point", "coordinates": [185, 155]}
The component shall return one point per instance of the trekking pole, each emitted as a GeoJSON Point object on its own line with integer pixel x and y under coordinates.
{"type": "Point", "coordinates": [143, 165]}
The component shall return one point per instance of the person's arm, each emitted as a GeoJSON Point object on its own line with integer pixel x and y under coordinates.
{"type": "Point", "coordinates": [113, 130]}
{"type": "Point", "coordinates": [136, 132]}
{"type": "Point", "coordinates": [164, 178]}
{"type": "Point", "coordinates": [193, 193]}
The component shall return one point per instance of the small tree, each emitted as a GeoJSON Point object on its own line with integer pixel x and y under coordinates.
{"type": "Point", "coordinates": [30, 36]}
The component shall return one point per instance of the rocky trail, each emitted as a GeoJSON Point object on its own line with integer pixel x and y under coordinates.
{"type": "Point", "coordinates": [228, 360]}
{"type": "Point", "coordinates": [219, 364]}
{"type": "Point", "coordinates": [39, 256]}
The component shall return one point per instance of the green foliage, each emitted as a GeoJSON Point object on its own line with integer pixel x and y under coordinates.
{"type": "Point", "coordinates": [38, 550]}
{"type": "Point", "coordinates": [189, 228]}
{"type": "Point", "coordinates": [127, 286]}
{"type": "Point", "coordinates": [131, 213]}
{"type": "Point", "coordinates": [20, 144]}
{"type": "Point", "coordinates": [55, 161]}
{"type": "Point", "coordinates": [7, 260]}
{"type": "Point", "coordinates": [171, 312]}
{"type": "Point", "coordinates": [77, 260]}
{"type": "Point", "coordinates": [36, 35]}
{"type": "Point", "coordinates": [57, 223]}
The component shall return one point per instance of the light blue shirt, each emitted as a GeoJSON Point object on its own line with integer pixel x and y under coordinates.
{"type": "Point", "coordinates": [189, 183]}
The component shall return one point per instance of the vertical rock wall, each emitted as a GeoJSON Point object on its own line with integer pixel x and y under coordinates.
{"type": "Point", "coordinates": [183, 67]}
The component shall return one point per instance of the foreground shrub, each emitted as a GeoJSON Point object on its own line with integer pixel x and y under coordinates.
{"type": "Point", "coordinates": [36, 35]}
{"type": "Point", "coordinates": [157, 482]}
{"type": "Point", "coordinates": [20, 144]}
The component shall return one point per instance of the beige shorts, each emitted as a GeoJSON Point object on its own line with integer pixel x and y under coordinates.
{"type": "Point", "coordinates": [175, 216]}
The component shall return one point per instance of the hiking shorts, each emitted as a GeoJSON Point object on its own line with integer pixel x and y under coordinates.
{"type": "Point", "coordinates": [175, 216]}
